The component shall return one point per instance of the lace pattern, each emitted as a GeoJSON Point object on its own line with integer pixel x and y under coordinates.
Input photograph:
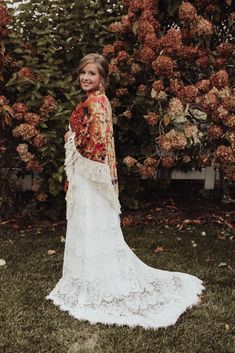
{"type": "Point", "coordinates": [104, 281]}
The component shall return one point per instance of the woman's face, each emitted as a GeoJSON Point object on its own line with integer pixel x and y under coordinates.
{"type": "Point", "coordinates": [89, 78]}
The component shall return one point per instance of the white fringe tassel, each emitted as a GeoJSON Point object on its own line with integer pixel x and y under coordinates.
{"type": "Point", "coordinates": [92, 170]}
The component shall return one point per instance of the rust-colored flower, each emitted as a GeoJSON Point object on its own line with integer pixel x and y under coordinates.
{"type": "Point", "coordinates": [151, 118]}
{"type": "Point", "coordinates": [116, 27]}
{"type": "Point", "coordinates": [129, 161]}
{"type": "Point", "coordinates": [150, 161]}
{"type": "Point", "coordinates": [135, 68]}
{"type": "Point", "coordinates": [118, 45]}
{"type": "Point", "coordinates": [188, 52]}
{"type": "Point", "coordinates": [151, 41]}
{"type": "Point", "coordinates": [187, 94]}
{"type": "Point", "coordinates": [122, 92]}
{"type": "Point", "coordinates": [224, 155]}
{"type": "Point", "coordinates": [175, 86]}
{"type": "Point", "coordinates": [203, 62]}
{"type": "Point", "coordinates": [158, 86]}
{"type": "Point", "coordinates": [215, 132]}
{"type": "Point", "coordinates": [220, 63]}
{"type": "Point", "coordinates": [39, 140]}
{"type": "Point", "coordinates": [19, 110]}
{"type": "Point", "coordinates": [229, 121]}
{"type": "Point", "coordinates": [147, 171]}
{"type": "Point", "coordinates": [122, 56]}
{"type": "Point", "coordinates": [225, 50]}
{"type": "Point", "coordinates": [24, 154]}
{"type": "Point", "coordinates": [172, 140]}
{"type": "Point", "coordinates": [187, 12]}
{"type": "Point", "coordinates": [209, 102]}
{"type": "Point", "coordinates": [108, 50]}
{"type": "Point", "coordinates": [48, 106]}
{"type": "Point", "coordinates": [163, 66]}
{"type": "Point", "coordinates": [144, 28]}
{"type": "Point", "coordinates": [5, 18]}
{"type": "Point", "coordinates": [167, 162]}
{"type": "Point", "coordinates": [27, 73]}
{"type": "Point", "coordinates": [203, 86]}
{"type": "Point", "coordinates": [34, 166]}
{"type": "Point", "coordinates": [172, 39]}
{"type": "Point", "coordinates": [32, 119]}
{"type": "Point", "coordinates": [147, 55]}
{"type": "Point", "coordinates": [211, 9]}
{"type": "Point", "coordinates": [229, 103]}
{"type": "Point", "coordinates": [219, 79]}
{"type": "Point", "coordinates": [26, 131]}
{"type": "Point", "coordinates": [203, 27]}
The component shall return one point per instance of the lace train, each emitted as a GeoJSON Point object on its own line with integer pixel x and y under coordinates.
{"type": "Point", "coordinates": [104, 281]}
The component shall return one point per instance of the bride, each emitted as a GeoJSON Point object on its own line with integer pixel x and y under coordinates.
{"type": "Point", "coordinates": [103, 280]}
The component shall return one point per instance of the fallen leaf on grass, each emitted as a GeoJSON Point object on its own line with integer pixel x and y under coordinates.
{"type": "Point", "coordinates": [2, 262]}
{"type": "Point", "coordinates": [51, 252]}
{"type": "Point", "coordinates": [226, 327]}
{"type": "Point", "coordinates": [62, 239]}
{"type": "Point", "coordinates": [221, 237]}
{"type": "Point", "coordinates": [222, 264]}
{"type": "Point", "coordinates": [158, 249]}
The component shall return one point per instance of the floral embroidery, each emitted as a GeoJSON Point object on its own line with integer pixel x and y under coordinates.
{"type": "Point", "coordinates": [92, 123]}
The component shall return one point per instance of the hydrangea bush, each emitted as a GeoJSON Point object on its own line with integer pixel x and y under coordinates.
{"type": "Point", "coordinates": [172, 83]}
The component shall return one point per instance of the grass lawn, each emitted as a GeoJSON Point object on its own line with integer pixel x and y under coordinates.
{"type": "Point", "coordinates": [31, 324]}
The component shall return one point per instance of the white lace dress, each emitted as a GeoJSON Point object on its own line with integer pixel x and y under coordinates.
{"type": "Point", "coordinates": [103, 280]}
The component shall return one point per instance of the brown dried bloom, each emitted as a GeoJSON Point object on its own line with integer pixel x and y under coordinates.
{"type": "Point", "coordinates": [202, 28]}
{"type": "Point", "coordinates": [187, 94]}
{"type": "Point", "coordinates": [219, 79]}
{"type": "Point", "coordinates": [24, 154]}
{"type": "Point", "coordinates": [146, 55]}
{"type": "Point", "coordinates": [175, 86]}
{"type": "Point", "coordinates": [151, 118]}
{"type": "Point", "coordinates": [176, 140]}
{"type": "Point", "coordinates": [203, 62]}
{"type": "Point", "coordinates": [26, 131]}
{"type": "Point", "coordinates": [135, 68]}
{"type": "Point", "coordinates": [147, 171]}
{"type": "Point", "coordinates": [118, 45]}
{"type": "Point", "coordinates": [129, 161]}
{"type": "Point", "coordinates": [167, 162]}
{"type": "Point", "coordinates": [144, 28]}
{"type": "Point", "coordinates": [108, 50]}
{"type": "Point", "coordinates": [187, 12]}
{"type": "Point", "coordinates": [48, 106]}
{"type": "Point", "coordinates": [151, 41]}
{"type": "Point", "coordinates": [163, 66]}
{"type": "Point", "coordinates": [224, 155]}
{"type": "Point", "coordinates": [225, 50]}
{"type": "Point", "coordinates": [172, 39]}
{"type": "Point", "coordinates": [19, 110]}
{"type": "Point", "coordinates": [127, 114]}
{"type": "Point", "coordinates": [229, 121]}
{"type": "Point", "coordinates": [220, 63]}
{"type": "Point", "coordinates": [39, 140]}
{"type": "Point", "coordinates": [5, 18]}
{"type": "Point", "coordinates": [32, 119]}
{"type": "Point", "coordinates": [27, 73]}
{"type": "Point", "coordinates": [191, 132]}
{"type": "Point", "coordinates": [34, 166]}
{"type": "Point", "coordinates": [208, 102]}
{"type": "Point", "coordinates": [150, 161]}
{"type": "Point", "coordinates": [158, 86]}
{"type": "Point", "coordinates": [122, 56]}
{"type": "Point", "coordinates": [215, 132]}
{"type": "Point", "coordinates": [203, 86]}
{"type": "Point", "coordinates": [186, 159]}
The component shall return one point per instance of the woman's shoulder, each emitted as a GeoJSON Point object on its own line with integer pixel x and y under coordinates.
{"type": "Point", "coordinates": [98, 97]}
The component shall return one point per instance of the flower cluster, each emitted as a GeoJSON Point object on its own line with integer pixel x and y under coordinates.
{"type": "Point", "coordinates": [172, 140]}
{"type": "Point", "coordinates": [48, 106]}
{"type": "Point", "coordinates": [26, 73]}
{"type": "Point", "coordinates": [25, 131]}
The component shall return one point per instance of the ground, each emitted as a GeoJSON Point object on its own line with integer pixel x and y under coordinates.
{"type": "Point", "coordinates": [33, 261]}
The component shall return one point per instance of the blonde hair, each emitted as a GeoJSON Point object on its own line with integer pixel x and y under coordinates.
{"type": "Point", "coordinates": [101, 63]}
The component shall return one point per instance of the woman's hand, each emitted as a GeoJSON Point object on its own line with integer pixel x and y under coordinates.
{"type": "Point", "coordinates": [66, 135]}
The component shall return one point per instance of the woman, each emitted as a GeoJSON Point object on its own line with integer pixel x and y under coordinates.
{"type": "Point", "coordinates": [103, 280]}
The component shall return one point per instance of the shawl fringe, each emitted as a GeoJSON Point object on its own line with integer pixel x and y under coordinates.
{"type": "Point", "coordinates": [92, 170]}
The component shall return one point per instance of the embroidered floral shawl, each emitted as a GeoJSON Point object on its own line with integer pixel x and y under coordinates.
{"type": "Point", "coordinates": [92, 138]}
